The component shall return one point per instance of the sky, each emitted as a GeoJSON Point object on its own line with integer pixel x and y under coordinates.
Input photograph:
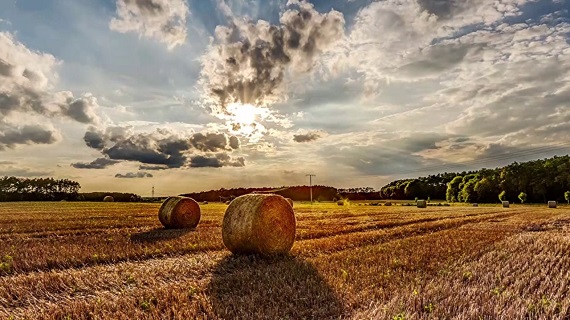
{"type": "Point", "coordinates": [191, 95]}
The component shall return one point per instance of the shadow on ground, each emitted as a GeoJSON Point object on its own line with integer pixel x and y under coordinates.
{"type": "Point", "coordinates": [159, 234]}
{"type": "Point", "coordinates": [280, 287]}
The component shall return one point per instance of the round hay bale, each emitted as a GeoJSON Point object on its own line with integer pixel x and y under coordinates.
{"type": "Point", "coordinates": [421, 204]}
{"type": "Point", "coordinates": [290, 201]}
{"type": "Point", "coordinates": [340, 202]}
{"type": "Point", "coordinates": [475, 204]}
{"type": "Point", "coordinates": [228, 202]}
{"type": "Point", "coordinates": [179, 213]}
{"type": "Point", "coordinates": [205, 202]}
{"type": "Point", "coordinates": [259, 223]}
{"type": "Point", "coordinates": [108, 199]}
{"type": "Point", "coordinates": [388, 203]}
{"type": "Point", "coordinates": [505, 204]}
{"type": "Point", "coordinates": [552, 204]}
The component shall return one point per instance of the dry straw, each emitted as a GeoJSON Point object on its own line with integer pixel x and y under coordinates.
{"type": "Point", "coordinates": [108, 199]}
{"type": "Point", "coordinates": [421, 204]}
{"type": "Point", "coordinates": [179, 213]}
{"type": "Point", "coordinates": [506, 204]}
{"type": "Point", "coordinates": [552, 204]}
{"type": "Point", "coordinates": [259, 223]}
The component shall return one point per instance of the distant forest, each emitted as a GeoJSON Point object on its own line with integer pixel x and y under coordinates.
{"type": "Point", "coordinates": [534, 181]}
{"type": "Point", "coordinates": [50, 189]}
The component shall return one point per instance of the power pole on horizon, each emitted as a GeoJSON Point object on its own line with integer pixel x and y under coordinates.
{"type": "Point", "coordinates": [311, 185]}
{"type": "Point", "coordinates": [153, 190]}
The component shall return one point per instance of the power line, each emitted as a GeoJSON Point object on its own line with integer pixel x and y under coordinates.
{"type": "Point", "coordinates": [311, 184]}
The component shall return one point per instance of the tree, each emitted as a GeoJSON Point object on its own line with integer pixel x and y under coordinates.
{"type": "Point", "coordinates": [453, 189]}
{"type": "Point", "coordinates": [567, 196]}
{"type": "Point", "coordinates": [522, 197]}
{"type": "Point", "coordinates": [503, 196]}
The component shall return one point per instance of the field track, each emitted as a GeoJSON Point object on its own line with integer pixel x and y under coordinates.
{"type": "Point", "coordinates": [113, 261]}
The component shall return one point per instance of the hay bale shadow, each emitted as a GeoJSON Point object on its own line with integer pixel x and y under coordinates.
{"type": "Point", "coordinates": [278, 287]}
{"type": "Point", "coordinates": [159, 234]}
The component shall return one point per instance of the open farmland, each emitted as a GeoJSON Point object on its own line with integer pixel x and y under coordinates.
{"type": "Point", "coordinates": [114, 261]}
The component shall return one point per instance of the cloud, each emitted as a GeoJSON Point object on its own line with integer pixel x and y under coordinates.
{"type": "Point", "coordinates": [308, 137]}
{"type": "Point", "coordinates": [217, 161]}
{"type": "Point", "coordinates": [13, 135]}
{"type": "Point", "coordinates": [100, 163]}
{"type": "Point", "coordinates": [157, 150]}
{"type": "Point", "coordinates": [134, 175]}
{"type": "Point", "coordinates": [9, 168]}
{"type": "Point", "coordinates": [26, 82]}
{"type": "Point", "coordinates": [248, 61]}
{"type": "Point", "coordinates": [162, 20]}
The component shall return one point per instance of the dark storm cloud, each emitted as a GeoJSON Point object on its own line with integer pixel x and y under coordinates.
{"type": "Point", "coordinates": [249, 61]}
{"type": "Point", "coordinates": [444, 8]}
{"type": "Point", "coordinates": [309, 137]}
{"type": "Point", "coordinates": [100, 163]}
{"type": "Point", "coordinates": [134, 175]}
{"type": "Point", "coordinates": [159, 150]}
{"type": "Point", "coordinates": [10, 136]}
{"type": "Point", "coordinates": [94, 139]}
{"type": "Point", "coordinates": [217, 161]}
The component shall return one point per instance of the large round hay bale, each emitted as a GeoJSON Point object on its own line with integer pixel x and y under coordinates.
{"type": "Point", "coordinates": [552, 204]}
{"type": "Point", "coordinates": [505, 204]}
{"type": "Point", "coordinates": [290, 201]}
{"type": "Point", "coordinates": [259, 223]}
{"type": "Point", "coordinates": [421, 204]}
{"type": "Point", "coordinates": [179, 213]}
{"type": "Point", "coordinates": [108, 199]}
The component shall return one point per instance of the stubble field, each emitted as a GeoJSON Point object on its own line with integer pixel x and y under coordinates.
{"type": "Point", "coordinates": [114, 261]}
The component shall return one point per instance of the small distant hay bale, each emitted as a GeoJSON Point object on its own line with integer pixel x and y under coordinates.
{"type": "Point", "coordinates": [475, 204]}
{"type": "Point", "coordinates": [421, 204]}
{"type": "Point", "coordinates": [290, 201]}
{"type": "Point", "coordinates": [259, 223]}
{"type": "Point", "coordinates": [205, 202]}
{"type": "Point", "coordinates": [179, 213]}
{"type": "Point", "coordinates": [108, 199]}
{"type": "Point", "coordinates": [388, 203]}
{"type": "Point", "coordinates": [228, 202]}
{"type": "Point", "coordinates": [506, 204]}
{"type": "Point", "coordinates": [340, 202]}
{"type": "Point", "coordinates": [552, 204]}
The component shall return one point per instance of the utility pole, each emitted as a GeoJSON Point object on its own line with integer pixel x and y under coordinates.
{"type": "Point", "coordinates": [311, 185]}
{"type": "Point", "coordinates": [153, 190]}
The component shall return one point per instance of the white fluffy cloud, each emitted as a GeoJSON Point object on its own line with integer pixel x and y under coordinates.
{"type": "Point", "coordinates": [162, 20]}
{"type": "Point", "coordinates": [27, 81]}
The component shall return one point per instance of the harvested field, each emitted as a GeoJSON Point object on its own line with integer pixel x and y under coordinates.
{"type": "Point", "coordinates": [115, 261]}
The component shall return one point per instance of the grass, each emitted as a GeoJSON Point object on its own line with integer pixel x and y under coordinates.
{"type": "Point", "coordinates": [113, 260]}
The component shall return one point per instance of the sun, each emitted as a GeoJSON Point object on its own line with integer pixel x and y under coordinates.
{"type": "Point", "coordinates": [245, 114]}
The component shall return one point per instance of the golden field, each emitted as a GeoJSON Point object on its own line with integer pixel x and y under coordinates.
{"type": "Point", "coordinates": [114, 261]}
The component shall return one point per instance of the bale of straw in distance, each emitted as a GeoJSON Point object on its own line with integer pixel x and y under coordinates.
{"type": "Point", "coordinates": [475, 204]}
{"type": "Point", "coordinates": [108, 199]}
{"type": "Point", "coordinates": [421, 204]}
{"type": "Point", "coordinates": [552, 204]}
{"type": "Point", "coordinates": [340, 202]}
{"type": "Point", "coordinates": [228, 202]}
{"type": "Point", "coordinates": [388, 203]}
{"type": "Point", "coordinates": [179, 213]}
{"type": "Point", "coordinates": [259, 223]}
{"type": "Point", "coordinates": [505, 204]}
{"type": "Point", "coordinates": [290, 201]}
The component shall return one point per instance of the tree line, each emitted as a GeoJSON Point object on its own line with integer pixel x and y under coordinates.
{"type": "Point", "coordinates": [297, 193]}
{"type": "Point", "coordinates": [38, 189]}
{"type": "Point", "coordinates": [535, 181]}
